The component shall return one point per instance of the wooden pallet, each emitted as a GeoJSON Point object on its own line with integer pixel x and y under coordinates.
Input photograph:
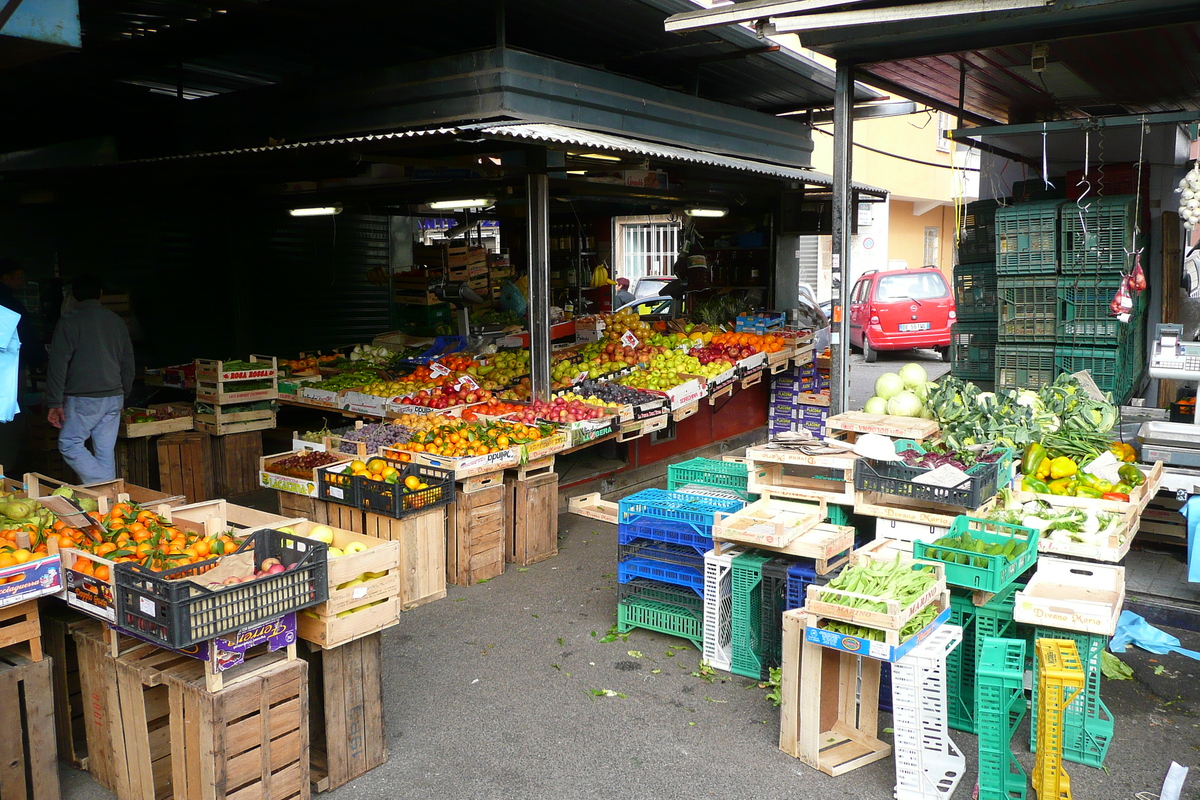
{"type": "Point", "coordinates": [28, 760]}
{"type": "Point", "coordinates": [423, 552]}
{"type": "Point", "coordinates": [70, 719]}
{"type": "Point", "coordinates": [345, 712]}
{"type": "Point", "coordinates": [475, 537]}
{"type": "Point", "coordinates": [20, 630]}
{"type": "Point", "coordinates": [828, 720]}
{"type": "Point", "coordinates": [530, 517]}
{"type": "Point", "coordinates": [855, 423]}
{"type": "Point", "coordinates": [185, 465]}
{"type": "Point", "coordinates": [236, 458]}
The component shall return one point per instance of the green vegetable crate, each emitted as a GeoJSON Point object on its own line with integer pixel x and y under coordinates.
{"type": "Point", "coordinates": [1023, 366]}
{"type": "Point", "coordinates": [1028, 308]}
{"type": "Point", "coordinates": [973, 350]}
{"type": "Point", "coordinates": [980, 554]}
{"type": "Point", "coordinates": [975, 292]}
{"type": "Point", "coordinates": [1027, 238]}
{"type": "Point", "coordinates": [1098, 238]}
{"type": "Point", "coordinates": [732, 475]}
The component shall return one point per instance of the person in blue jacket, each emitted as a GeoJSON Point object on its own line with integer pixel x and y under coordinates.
{"type": "Point", "coordinates": [32, 358]}
{"type": "Point", "coordinates": [90, 375]}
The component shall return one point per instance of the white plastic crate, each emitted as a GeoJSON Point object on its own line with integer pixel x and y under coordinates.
{"type": "Point", "coordinates": [928, 764]}
{"type": "Point", "coordinates": [718, 608]}
{"type": "Point", "coordinates": [907, 531]}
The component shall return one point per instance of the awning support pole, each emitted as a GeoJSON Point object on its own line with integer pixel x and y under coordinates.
{"type": "Point", "coordinates": [843, 207]}
{"type": "Point", "coordinates": [538, 198]}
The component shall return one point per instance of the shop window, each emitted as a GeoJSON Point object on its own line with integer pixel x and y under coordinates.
{"type": "Point", "coordinates": [945, 125]}
{"type": "Point", "coordinates": [645, 246]}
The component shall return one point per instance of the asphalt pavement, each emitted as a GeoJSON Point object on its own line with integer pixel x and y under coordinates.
{"type": "Point", "coordinates": [491, 693]}
{"type": "Point", "coordinates": [863, 375]}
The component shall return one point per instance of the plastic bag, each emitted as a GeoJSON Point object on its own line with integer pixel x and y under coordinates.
{"type": "Point", "coordinates": [512, 300]}
{"type": "Point", "coordinates": [1132, 629]}
{"type": "Point", "coordinates": [1122, 302]}
{"type": "Point", "coordinates": [1137, 277]}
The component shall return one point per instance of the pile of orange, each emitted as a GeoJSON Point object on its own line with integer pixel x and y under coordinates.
{"type": "Point", "coordinates": [377, 469]}
{"type": "Point", "coordinates": [463, 438]}
{"type": "Point", "coordinates": [770, 343]}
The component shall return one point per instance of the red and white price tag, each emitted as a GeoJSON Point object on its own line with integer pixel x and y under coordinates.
{"type": "Point", "coordinates": [581, 376]}
{"type": "Point", "coordinates": [466, 382]}
{"type": "Point", "coordinates": [439, 369]}
{"type": "Point", "coordinates": [629, 340]}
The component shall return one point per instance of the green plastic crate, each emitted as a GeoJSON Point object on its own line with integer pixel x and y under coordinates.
{"type": "Point", "coordinates": [660, 607]}
{"type": "Point", "coordinates": [1098, 238]}
{"type": "Point", "coordinates": [1087, 722]}
{"type": "Point", "coordinates": [1024, 366]}
{"type": "Point", "coordinates": [1028, 309]}
{"type": "Point", "coordinates": [746, 633]}
{"type": "Point", "coordinates": [982, 572]}
{"type": "Point", "coordinates": [1110, 367]}
{"type": "Point", "coordinates": [1084, 317]}
{"type": "Point", "coordinates": [960, 667]}
{"type": "Point", "coordinates": [999, 709]}
{"type": "Point", "coordinates": [1027, 238]}
{"type": "Point", "coordinates": [975, 292]}
{"type": "Point", "coordinates": [977, 236]}
{"type": "Point", "coordinates": [973, 350]}
{"type": "Point", "coordinates": [731, 475]}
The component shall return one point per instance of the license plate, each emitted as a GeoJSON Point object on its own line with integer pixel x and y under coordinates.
{"type": "Point", "coordinates": [914, 326]}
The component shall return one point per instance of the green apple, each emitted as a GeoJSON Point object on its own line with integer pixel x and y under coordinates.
{"type": "Point", "coordinates": [322, 533]}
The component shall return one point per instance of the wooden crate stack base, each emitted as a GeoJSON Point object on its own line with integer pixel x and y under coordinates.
{"type": "Point", "coordinates": [236, 458]}
{"type": "Point", "coordinates": [28, 756]}
{"type": "Point", "coordinates": [345, 719]}
{"type": "Point", "coordinates": [185, 465]}
{"type": "Point", "coordinates": [20, 630]}
{"type": "Point", "coordinates": [137, 461]}
{"type": "Point", "coordinates": [335, 515]}
{"type": "Point", "coordinates": [821, 722]}
{"type": "Point", "coordinates": [70, 719]}
{"type": "Point", "coordinates": [530, 517]}
{"type": "Point", "coordinates": [475, 537]}
{"type": "Point", "coordinates": [156, 731]}
{"type": "Point", "coordinates": [423, 552]}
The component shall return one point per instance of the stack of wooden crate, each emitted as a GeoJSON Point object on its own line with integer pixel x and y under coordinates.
{"type": "Point", "coordinates": [224, 403]}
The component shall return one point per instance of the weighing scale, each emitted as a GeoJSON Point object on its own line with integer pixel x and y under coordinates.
{"type": "Point", "coordinates": [1176, 444]}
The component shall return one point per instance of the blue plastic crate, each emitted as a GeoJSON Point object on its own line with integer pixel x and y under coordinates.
{"type": "Point", "coordinates": [632, 568]}
{"type": "Point", "coordinates": [694, 511]}
{"type": "Point", "coordinates": [660, 531]}
{"type": "Point", "coordinates": [799, 576]}
{"type": "Point", "coordinates": [885, 687]}
{"type": "Point", "coordinates": [680, 555]}
{"type": "Point", "coordinates": [442, 346]}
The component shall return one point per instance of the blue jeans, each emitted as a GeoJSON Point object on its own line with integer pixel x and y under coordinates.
{"type": "Point", "coordinates": [97, 418]}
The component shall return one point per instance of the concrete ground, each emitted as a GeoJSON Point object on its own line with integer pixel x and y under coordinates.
{"type": "Point", "coordinates": [489, 694]}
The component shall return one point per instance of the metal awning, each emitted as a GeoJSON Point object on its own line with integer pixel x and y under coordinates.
{"type": "Point", "coordinates": [552, 134]}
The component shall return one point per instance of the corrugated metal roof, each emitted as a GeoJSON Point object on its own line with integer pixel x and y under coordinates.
{"type": "Point", "coordinates": [558, 134]}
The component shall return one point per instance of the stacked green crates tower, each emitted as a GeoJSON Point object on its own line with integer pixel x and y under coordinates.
{"type": "Point", "coordinates": [1097, 245]}
{"type": "Point", "coordinates": [973, 336]}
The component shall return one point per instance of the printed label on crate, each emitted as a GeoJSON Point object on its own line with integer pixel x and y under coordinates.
{"type": "Point", "coordinates": [284, 483]}
{"type": "Point", "coordinates": [591, 430]}
{"type": "Point", "coordinates": [31, 579]}
{"type": "Point", "coordinates": [439, 369]}
{"type": "Point", "coordinates": [685, 393]}
{"type": "Point", "coordinates": [323, 396]}
{"type": "Point", "coordinates": [229, 651]}
{"type": "Point", "coordinates": [361, 403]}
{"type": "Point", "coordinates": [751, 364]}
{"type": "Point", "coordinates": [90, 595]}
{"type": "Point", "coordinates": [247, 374]}
{"type": "Point", "coordinates": [629, 340]}
{"type": "Point", "coordinates": [878, 650]}
{"type": "Point", "coordinates": [649, 409]}
{"type": "Point", "coordinates": [655, 423]}
{"type": "Point", "coordinates": [719, 382]}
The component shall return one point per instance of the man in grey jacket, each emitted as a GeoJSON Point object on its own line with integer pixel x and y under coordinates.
{"type": "Point", "coordinates": [90, 374]}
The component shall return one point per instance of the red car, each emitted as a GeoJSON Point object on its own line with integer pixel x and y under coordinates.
{"type": "Point", "coordinates": [901, 309]}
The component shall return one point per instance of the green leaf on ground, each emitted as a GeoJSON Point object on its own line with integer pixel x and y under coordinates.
{"type": "Point", "coordinates": [557, 667]}
{"type": "Point", "coordinates": [1160, 669]}
{"type": "Point", "coordinates": [560, 641]}
{"type": "Point", "coordinates": [460, 599]}
{"type": "Point", "coordinates": [522, 569]}
{"type": "Point", "coordinates": [656, 672]}
{"type": "Point", "coordinates": [709, 699]}
{"type": "Point", "coordinates": [1114, 668]}
{"type": "Point", "coordinates": [605, 693]}
{"type": "Point", "coordinates": [613, 635]}
{"type": "Point", "coordinates": [609, 575]}
{"type": "Point", "coordinates": [634, 653]}
{"type": "Point", "coordinates": [669, 654]}
{"type": "Point", "coordinates": [485, 580]}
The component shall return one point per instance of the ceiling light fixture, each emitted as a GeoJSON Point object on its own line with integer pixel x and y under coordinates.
{"type": "Point", "coordinates": [595, 156]}
{"type": "Point", "coordinates": [705, 211]}
{"type": "Point", "coordinates": [318, 211]}
{"type": "Point", "coordinates": [473, 202]}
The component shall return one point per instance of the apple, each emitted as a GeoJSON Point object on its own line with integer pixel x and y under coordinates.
{"type": "Point", "coordinates": [322, 533]}
{"type": "Point", "coordinates": [354, 547]}
{"type": "Point", "coordinates": [288, 531]}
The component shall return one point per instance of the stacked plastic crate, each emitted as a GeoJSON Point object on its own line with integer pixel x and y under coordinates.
{"type": "Point", "coordinates": [795, 404]}
{"type": "Point", "coordinates": [662, 538]}
{"type": "Point", "coordinates": [973, 336]}
{"type": "Point", "coordinates": [1087, 724]}
{"type": "Point", "coordinates": [1027, 277]}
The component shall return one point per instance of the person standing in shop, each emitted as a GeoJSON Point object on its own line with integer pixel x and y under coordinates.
{"type": "Point", "coordinates": [90, 375]}
{"type": "Point", "coordinates": [624, 296]}
{"type": "Point", "coordinates": [33, 357]}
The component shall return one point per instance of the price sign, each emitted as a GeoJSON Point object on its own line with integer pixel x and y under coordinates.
{"type": "Point", "coordinates": [684, 346]}
{"type": "Point", "coordinates": [581, 376]}
{"type": "Point", "coordinates": [629, 340]}
{"type": "Point", "coordinates": [438, 369]}
{"type": "Point", "coordinates": [466, 381]}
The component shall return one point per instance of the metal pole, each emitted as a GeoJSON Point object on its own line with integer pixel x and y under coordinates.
{"type": "Point", "coordinates": [538, 199]}
{"type": "Point", "coordinates": [843, 207]}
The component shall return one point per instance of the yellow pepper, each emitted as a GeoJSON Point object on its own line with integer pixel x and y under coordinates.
{"type": "Point", "coordinates": [1043, 470]}
{"type": "Point", "coordinates": [1062, 467]}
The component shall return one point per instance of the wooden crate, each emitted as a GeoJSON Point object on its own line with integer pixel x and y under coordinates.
{"type": "Point", "coordinates": [137, 461]}
{"type": "Point", "coordinates": [222, 422]}
{"type": "Point", "coordinates": [824, 721]}
{"type": "Point", "coordinates": [185, 465]}
{"type": "Point", "coordinates": [345, 712]}
{"type": "Point", "coordinates": [475, 537]}
{"type": "Point", "coordinates": [20, 630]}
{"type": "Point", "coordinates": [101, 706]}
{"type": "Point", "coordinates": [530, 517]}
{"type": "Point", "coordinates": [423, 552]}
{"type": "Point", "coordinates": [335, 515]}
{"type": "Point", "coordinates": [58, 643]}
{"type": "Point", "coordinates": [28, 756]}
{"type": "Point", "coordinates": [182, 422]}
{"type": "Point", "coordinates": [121, 490]}
{"type": "Point", "coordinates": [236, 458]}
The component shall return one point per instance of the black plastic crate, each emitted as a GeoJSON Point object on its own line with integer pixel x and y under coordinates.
{"type": "Point", "coordinates": [336, 484]}
{"type": "Point", "coordinates": [774, 590]}
{"type": "Point", "coordinates": [394, 500]}
{"type": "Point", "coordinates": [165, 608]}
{"type": "Point", "coordinates": [977, 237]}
{"type": "Point", "coordinates": [896, 478]}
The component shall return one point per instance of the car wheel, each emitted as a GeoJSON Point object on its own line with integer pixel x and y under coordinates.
{"type": "Point", "coordinates": [944, 352]}
{"type": "Point", "coordinates": [869, 354]}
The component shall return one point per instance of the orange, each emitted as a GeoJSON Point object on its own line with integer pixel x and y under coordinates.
{"type": "Point", "coordinates": [412, 482]}
{"type": "Point", "coordinates": [105, 549]}
{"type": "Point", "coordinates": [375, 466]}
{"type": "Point", "coordinates": [82, 565]}
{"type": "Point", "coordinates": [7, 560]}
{"type": "Point", "coordinates": [357, 466]}
{"type": "Point", "coordinates": [22, 556]}
{"type": "Point", "coordinates": [102, 572]}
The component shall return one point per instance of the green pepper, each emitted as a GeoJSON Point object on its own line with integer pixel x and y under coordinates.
{"type": "Point", "coordinates": [1088, 491]}
{"type": "Point", "coordinates": [1034, 455]}
{"type": "Point", "coordinates": [1088, 479]}
{"type": "Point", "coordinates": [1131, 474]}
{"type": "Point", "coordinates": [1123, 488]}
{"type": "Point", "coordinates": [1063, 486]}
{"type": "Point", "coordinates": [1031, 484]}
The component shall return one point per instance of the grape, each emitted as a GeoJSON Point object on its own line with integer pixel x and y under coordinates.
{"type": "Point", "coordinates": [382, 434]}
